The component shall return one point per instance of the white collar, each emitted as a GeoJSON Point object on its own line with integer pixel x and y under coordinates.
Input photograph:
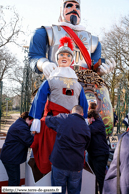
{"type": "Point", "coordinates": [67, 72]}
{"type": "Point", "coordinates": [74, 27]}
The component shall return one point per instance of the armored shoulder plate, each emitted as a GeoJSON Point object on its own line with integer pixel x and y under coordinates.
{"type": "Point", "coordinates": [94, 44]}
{"type": "Point", "coordinates": [49, 34]}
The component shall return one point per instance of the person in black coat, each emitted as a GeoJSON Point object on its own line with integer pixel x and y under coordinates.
{"type": "Point", "coordinates": [98, 150]}
{"type": "Point", "coordinates": [14, 150]}
{"type": "Point", "coordinates": [67, 157]}
{"type": "Point", "coordinates": [126, 121]}
{"type": "Point", "coordinates": [115, 118]}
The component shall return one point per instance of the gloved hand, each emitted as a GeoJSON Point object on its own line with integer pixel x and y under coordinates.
{"type": "Point", "coordinates": [35, 127]}
{"type": "Point", "coordinates": [107, 67]}
{"type": "Point", "coordinates": [48, 67]}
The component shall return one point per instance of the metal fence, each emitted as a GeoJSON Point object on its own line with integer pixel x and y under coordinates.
{"type": "Point", "coordinates": [31, 82]}
{"type": "Point", "coordinates": [122, 107]}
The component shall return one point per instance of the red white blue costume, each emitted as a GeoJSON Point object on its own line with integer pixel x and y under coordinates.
{"type": "Point", "coordinates": [58, 94]}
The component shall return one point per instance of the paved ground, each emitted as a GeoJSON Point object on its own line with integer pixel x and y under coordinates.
{"type": "Point", "coordinates": [8, 122]}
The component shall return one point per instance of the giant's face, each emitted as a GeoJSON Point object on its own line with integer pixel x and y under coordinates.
{"type": "Point", "coordinates": [64, 59]}
{"type": "Point", "coordinates": [72, 12]}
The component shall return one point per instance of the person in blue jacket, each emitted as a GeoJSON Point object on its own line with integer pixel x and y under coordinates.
{"type": "Point", "coordinates": [115, 117]}
{"type": "Point", "coordinates": [67, 157]}
{"type": "Point", "coordinates": [98, 150]}
{"type": "Point", "coordinates": [14, 150]}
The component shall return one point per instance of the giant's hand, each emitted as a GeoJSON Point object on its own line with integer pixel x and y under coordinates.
{"type": "Point", "coordinates": [35, 127]}
{"type": "Point", "coordinates": [46, 66]}
{"type": "Point", "coordinates": [106, 68]}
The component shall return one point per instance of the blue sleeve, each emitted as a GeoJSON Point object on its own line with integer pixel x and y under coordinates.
{"type": "Point", "coordinates": [25, 137]}
{"type": "Point", "coordinates": [97, 54]}
{"type": "Point", "coordinates": [38, 47]}
{"type": "Point", "coordinates": [39, 101]}
{"type": "Point", "coordinates": [83, 102]}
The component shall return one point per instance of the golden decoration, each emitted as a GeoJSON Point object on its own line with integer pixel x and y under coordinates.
{"type": "Point", "coordinates": [42, 77]}
{"type": "Point", "coordinates": [35, 86]}
{"type": "Point", "coordinates": [68, 81]}
{"type": "Point", "coordinates": [89, 77]}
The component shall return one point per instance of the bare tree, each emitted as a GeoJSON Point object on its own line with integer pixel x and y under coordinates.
{"type": "Point", "coordinates": [10, 31]}
{"type": "Point", "coordinates": [115, 44]}
{"type": "Point", "coordinates": [11, 28]}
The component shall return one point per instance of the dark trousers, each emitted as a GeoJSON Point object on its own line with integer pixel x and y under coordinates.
{"type": "Point", "coordinates": [13, 172]}
{"type": "Point", "coordinates": [66, 178]}
{"type": "Point", "coordinates": [98, 165]}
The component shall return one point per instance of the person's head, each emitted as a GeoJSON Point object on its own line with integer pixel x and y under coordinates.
{"type": "Point", "coordinates": [64, 54]}
{"type": "Point", "coordinates": [92, 105]}
{"type": "Point", "coordinates": [77, 109]}
{"type": "Point", "coordinates": [70, 11]}
{"type": "Point", "coordinates": [92, 115]}
{"type": "Point", "coordinates": [28, 119]}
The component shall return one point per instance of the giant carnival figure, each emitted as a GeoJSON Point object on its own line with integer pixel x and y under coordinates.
{"type": "Point", "coordinates": [87, 57]}
{"type": "Point", "coordinates": [87, 63]}
{"type": "Point", "coordinates": [58, 94]}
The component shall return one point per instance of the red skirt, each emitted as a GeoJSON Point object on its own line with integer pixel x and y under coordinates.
{"type": "Point", "coordinates": [44, 141]}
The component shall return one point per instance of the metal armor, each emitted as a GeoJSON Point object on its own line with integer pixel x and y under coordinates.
{"type": "Point", "coordinates": [64, 91]}
{"type": "Point", "coordinates": [55, 33]}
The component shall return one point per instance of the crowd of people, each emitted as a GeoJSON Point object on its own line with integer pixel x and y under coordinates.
{"type": "Point", "coordinates": [73, 137]}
